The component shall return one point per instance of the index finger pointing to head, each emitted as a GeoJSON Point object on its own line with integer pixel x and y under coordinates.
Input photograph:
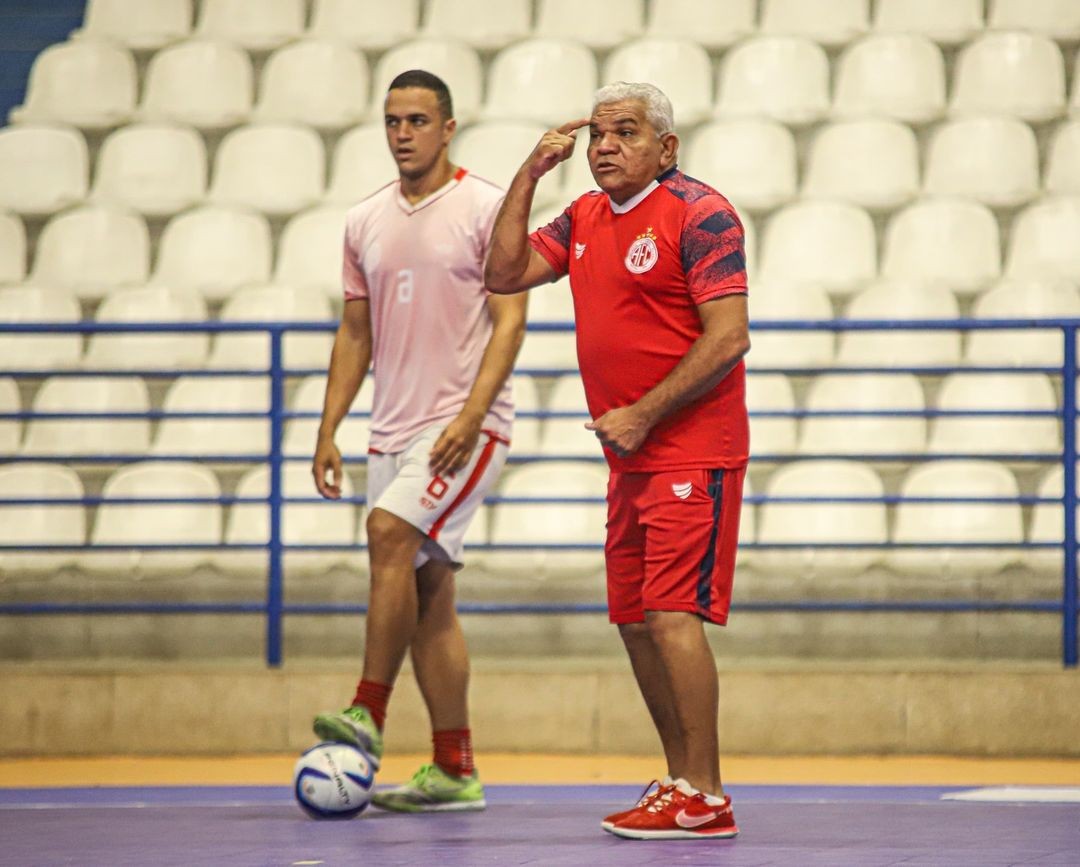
{"type": "Point", "coordinates": [568, 128]}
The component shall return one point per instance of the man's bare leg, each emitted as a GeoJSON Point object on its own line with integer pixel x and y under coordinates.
{"type": "Point", "coordinates": [679, 639]}
{"type": "Point", "coordinates": [655, 686]}
{"type": "Point", "coordinates": [393, 606]}
{"type": "Point", "coordinates": [439, 654]}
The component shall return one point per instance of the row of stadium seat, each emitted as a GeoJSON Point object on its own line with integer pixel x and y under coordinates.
{"type": "Point", "coordinates": [280, 169]}
{"type": "Point", "coordinates": [95, 84]}
{"type": "Point", "coordinates": [265, 24]}
{"type": "Point", "coordinates": [557, 434]}
{"type": "Point", "coordinates": [1009, 299]}
{"type": "Point", "coordinates": [949, 243]}
{"type": "Point", "coordinates": [526, 523]}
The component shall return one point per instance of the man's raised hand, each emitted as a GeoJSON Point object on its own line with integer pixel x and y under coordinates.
{"type": "Point", "coordinates": [556, 145]}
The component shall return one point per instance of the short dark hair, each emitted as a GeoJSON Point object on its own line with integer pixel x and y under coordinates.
{"type": "Point", "coordinates": [428, 81]}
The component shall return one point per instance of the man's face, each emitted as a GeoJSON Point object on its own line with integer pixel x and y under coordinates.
{"type": "Point", "coordinates": [416, 131]}
{"type": "Point", "coordinates": [625, 152]}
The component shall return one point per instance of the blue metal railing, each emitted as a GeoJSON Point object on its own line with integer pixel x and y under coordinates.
{"type": "Point", "coordinates": [275, 608]}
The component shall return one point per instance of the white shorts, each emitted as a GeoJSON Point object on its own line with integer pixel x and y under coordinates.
{"type": "Point", "coordinates": [440, 507]}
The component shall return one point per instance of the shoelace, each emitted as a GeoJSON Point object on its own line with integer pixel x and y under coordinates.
{"type": "Point", "coordinates": [644, 798]}
{"type": "Point", "coordinates": [661, 799]}
{"type": "Point", "coordinates": [420, 777]}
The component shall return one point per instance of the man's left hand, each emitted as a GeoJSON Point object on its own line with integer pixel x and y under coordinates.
{"type": "Point", "coordinates": [455, 444]}
{"type": "Point", "coordinates": [622, 430]}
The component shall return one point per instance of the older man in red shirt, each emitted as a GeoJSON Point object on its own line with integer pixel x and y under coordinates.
{"type": "Point", "coordinates": [658, 276]}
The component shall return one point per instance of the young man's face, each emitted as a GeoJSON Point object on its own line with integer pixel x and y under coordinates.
{"type": "Point", "coordinates": [416, 131]}
{"type": "Point", "coordinates": [625, 152]}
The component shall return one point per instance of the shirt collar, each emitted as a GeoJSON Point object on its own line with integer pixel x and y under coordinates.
{"type": "Point", "coordinates": [636, 200]}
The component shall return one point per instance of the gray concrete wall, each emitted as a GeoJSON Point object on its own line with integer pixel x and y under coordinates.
{"type": "Point", "coordinates": [551, 705]}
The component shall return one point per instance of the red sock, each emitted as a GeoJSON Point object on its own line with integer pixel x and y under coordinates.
{"type": "Point", "coordinates": [453, 751]}
{"type": "Point", "coordinates": [375, 697]}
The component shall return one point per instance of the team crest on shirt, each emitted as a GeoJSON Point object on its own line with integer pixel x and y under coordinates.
{"type": "Point", "coordinates": [643, 253]}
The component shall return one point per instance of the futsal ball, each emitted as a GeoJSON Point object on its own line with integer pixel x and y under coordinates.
{"type": "Point", "coordinates": [333, 781]}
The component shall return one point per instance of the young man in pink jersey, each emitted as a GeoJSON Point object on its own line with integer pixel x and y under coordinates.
{"type": "Point", "coordinates": [658, 276]}
{"type": "Point", "coordinates": [443, 348]}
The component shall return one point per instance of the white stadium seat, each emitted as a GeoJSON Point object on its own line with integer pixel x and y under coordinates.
{"type": "Point", "coordinates": [495, 150]}
{"type": "Point", "coordinates": [92, 250]}
{"type": "Point", "coordinates": [599, 25]}
{"type": "Point", "coordinates": [552, 302]}
{"type": "Point", "coordinates": [679, 67]}
{"type": "Point", "coordinates": [10, 429]}
{"type": "Point", "coordinates": [525, 439]}
{"type": "Point", "coordinates": [951, 244]}
{"type": "Point", "coordinates": [352, 435]}
{"type": "Point", "coordinates": [922, 523]}
{"type": "Point", "coordinates": [896, 299]}
{"type": "Point", "coordinates": [831, 244]}
{"type": "Point", "coordinates": [139, 25]}
{"type": "Point", "coordinates": [752, 162]}
{"type": "Point", "coordinates": [899, 76]}
{"type": "Point", "coordinates": [369, 24]}
{"type": "Point", "coordinates": [320, 84]}
{"type": "Point", "coordinates": [256, 25]}
{"type": "Point", "coordinates": [716, 25]}
{"type": "Point", "coordinates": [568, 437]}
{"type": "Point", "coordinates": [309, 252]}
{"type": "Point", "coordinates": [770, 392]}
{"type": "Point", "coordinates": [214, 251]}
{"type": "Point", "coordinates": [1043, 241]}
{"type": "Point", "coordinates": [993, 160]}
{"type": "Point", "coordinates": [456, 64]}
{"type": "Point", "coordinates": [155, 524]}
{"type": "Point", "coordinates": [1013, 299]}
{"type": "Point", "coordinates": [278, 169]}
{"type": "Point", "coordinates": [830, 22]}
{"type": "Point", "coordinates": [82, 436]}
{"type": "Point", "coordinates": [43, 169]}
{"type": "Point", "coordinates": [871, 163]}
{"type": "Point", "coordinates": [815, 523]}
{"type": "Point", "coordinates": [483, 25]}
{"type": "Point", "coordinates": [996, 434]}
{"type": "Point", "coordinates": [864, 435]}
{"type": "Point", "coordinates": [361, 165]}
{"type": "Point", "coordinates": [547, 350]}
{"type": "Point", "coordinates": [780, 77]}
{"type": "Point", "coordinates": [1017, 74]}
{"type": "Point", "coordinates": [1074, 97]}
{"type": "Point", "coordinates": [155, 169]}
{"type": "Point", "coordinates": [209, 85]}
{"type": "Point", "coordinates": [948, 23]}
{"type": "Point", "coordinates": [325, 523]}
{"type": "Point", "coordinates": [273, 304]}
{"type": "Point", "coordinates": [543, 523]}
{"type": "Point", "coordinates": [1048, 524]}
{"type": "Point", "coordinates": [789, 300]}
{"type": "Point", "coordinates": [577, 176]}
{"type": "Point", "coordinates": [1063, 163]}
{"type": "Point", "coordinates": [39, 351]}
{"type": "Point", "coordinates": [85, 83]}
{"type": "Point", "coordinates": [559, 77]}
{"type": "Point", "coordinates": [215, 436]}
{"type": "Point", "coordinates": [39, 524]}
{"type": "Point", "coordinates": [148, 351]}
{"type": "Point", "coordinates": [12, 249]}
{"type": "Point", "coordinates": [1058, 19]}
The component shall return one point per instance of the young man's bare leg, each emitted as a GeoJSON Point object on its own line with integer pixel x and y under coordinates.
{"type": "Point", "coordinates": [439, 654]}
{"type": "Point", "coordinates": [679, 639]}
{"type": "Point", "coordinates": [393, 605]}
{"type": "Point", "coordinates": [655, 686]}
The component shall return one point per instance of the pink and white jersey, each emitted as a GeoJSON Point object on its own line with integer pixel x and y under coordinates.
{"type": "Point", "coordinates": [422, 268]}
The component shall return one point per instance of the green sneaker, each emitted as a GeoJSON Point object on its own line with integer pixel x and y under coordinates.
{"type": "Point", "coordinates": [433, 790]}
{"type": "Point", "coordinates": [355, 726]}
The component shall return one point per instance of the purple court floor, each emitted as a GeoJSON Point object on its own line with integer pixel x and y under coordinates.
{"type": "Point", "coordinates": [831, 826]}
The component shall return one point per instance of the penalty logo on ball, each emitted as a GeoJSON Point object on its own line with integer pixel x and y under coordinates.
{"type": "Point", "coordinates": [333, 781]}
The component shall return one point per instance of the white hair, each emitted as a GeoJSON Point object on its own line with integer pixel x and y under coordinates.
{"type": "Point", "coordinates": [657, 106]}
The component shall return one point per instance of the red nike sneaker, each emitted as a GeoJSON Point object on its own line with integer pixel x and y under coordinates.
{"type": "Point", "coordinates": [646, 798]}
{"type": "Point", "coordinates": [676, 815]}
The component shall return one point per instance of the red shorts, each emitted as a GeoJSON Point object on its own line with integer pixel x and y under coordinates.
{"type": "Point", "coordinates": [671, 542]}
